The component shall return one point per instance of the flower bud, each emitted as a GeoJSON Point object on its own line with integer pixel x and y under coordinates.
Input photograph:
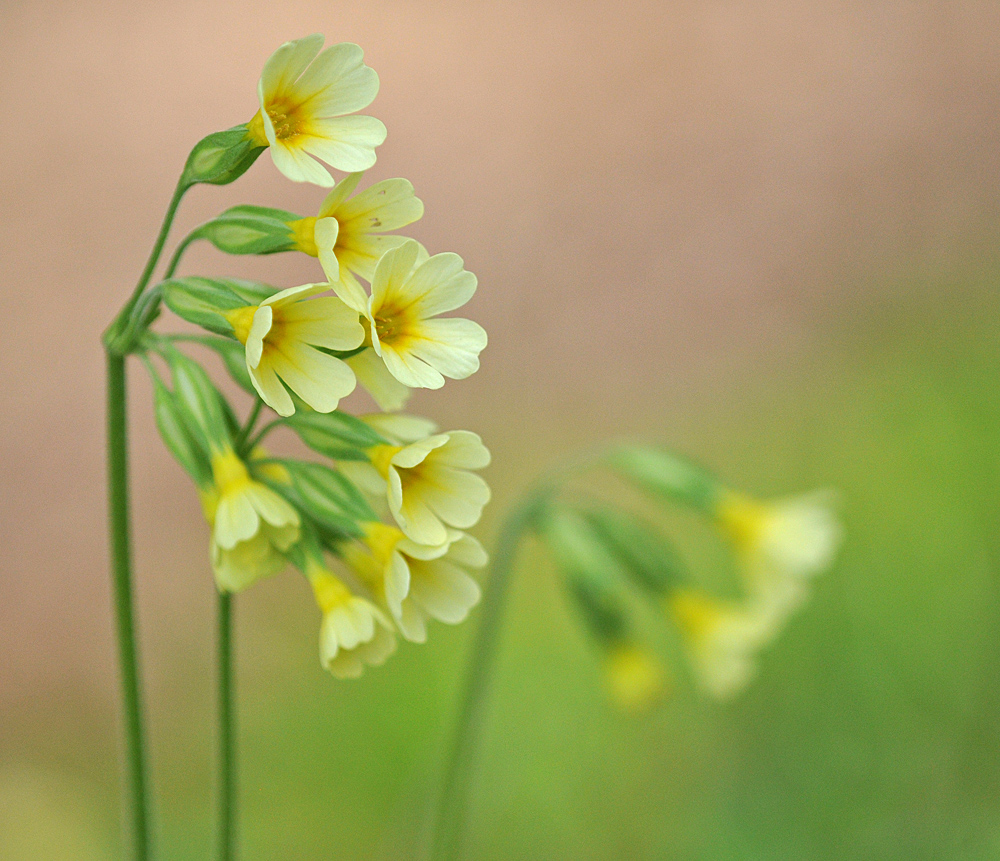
{"type": "Point", "coordinates": [203, 408]}
{"type": "Point", "coordinates": [250, 230]}
{"type": "Point", "coordinates": [221, 157]}
{"type": "Point", "coordinates": [177, 435]}
{"type": "Point", "coordinates": [337, 435]}
{"type": "Point", "coordinates": [205, 301]}
{"type": "Point", "coordinates": [334, 504]}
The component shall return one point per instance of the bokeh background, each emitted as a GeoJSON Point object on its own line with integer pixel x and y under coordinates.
{"type": "Point", "coordinates": [763, 234]}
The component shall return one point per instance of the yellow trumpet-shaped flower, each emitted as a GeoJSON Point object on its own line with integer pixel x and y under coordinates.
{"type": "Point", "coordinates": [252, 526]}
{"type": "Point", "coordinates": [429, 486]}
{"type": "Point", "coordinates": [354, 632]}
{"type": "Point", "coordinates": [781, 543]}
{"type": "Point", "coordinates": [408, 294]}
{"type": "Point", "coordinates": [349, 233]}
{"type": "Point", "coordinates": [722, 638]}
{"type": "Point", "coordinates": [304, 100]}
{"type": "Point", "coordinates": [281, 336]}
{"type": "Point", "coordinates": [417, 581]}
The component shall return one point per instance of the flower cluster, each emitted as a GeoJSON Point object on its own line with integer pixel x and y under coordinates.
{"type": "Point", "coordinates": [603, 550]}
{"type": "Point", "coordinates": [378, 316]}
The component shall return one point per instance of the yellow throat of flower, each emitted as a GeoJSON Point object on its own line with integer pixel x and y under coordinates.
{"type": "Point", "coordinates": [330, 592]}
{"type": "Point", "coordinates": [304, 234]}
{"type": "Point", "coordinates": [743, 519]}
{"type": "Point", "coordinates": [635, 679]}
{"type": "Point", "coordinates": [228, 472]}
{"type": "Point", "coordinates": [381, 457]}
{"type": "Point", "coordinates": [286, 119]}
{"type": "Point", "coordinates": [241, 319]}
{"type": "Point", "coordinates": [697, 615]}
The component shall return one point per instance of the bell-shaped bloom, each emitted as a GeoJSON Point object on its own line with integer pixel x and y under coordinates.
{"type": "Point", "coordinates": [252, 526]}
{"type": "Point", "coordinates": [354, 632]}
{"type": "Point", "coordinates": [408, 293]}
{"type": "Point", "coordinates": [722, 638]}
{"type": "Point", "coordinates": [282, 335]}
{"type": "Point", "coordinates": [304, 102]}
{"type": "Point", "coordinates": [350, 234]}
{"type": "Point", "coordinates": [781, 543]}
{"type": "Point", "coordinates": [633, 677]}
{"type": "Point", "coordinates": [418, 581]}
{"type": "Point", "coordinates": [428, 484]}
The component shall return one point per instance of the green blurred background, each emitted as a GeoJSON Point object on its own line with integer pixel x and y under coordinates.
{"type": "Point", "coordinates": [761, 234]}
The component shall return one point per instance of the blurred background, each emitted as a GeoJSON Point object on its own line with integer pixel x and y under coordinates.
{"type": "Point", "coordinates": [763, 234]}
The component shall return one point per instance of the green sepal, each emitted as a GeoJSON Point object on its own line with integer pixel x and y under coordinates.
{"type": "Point", "coordinates": [667, 475]}
{"type": "Point", "coordinates": [336, 435]}
{"type": "Point", "coordinates": [249, 230]}
{"type": "Point", "coordinates": [221, 157]}
{"type": "Point", "coordinates": [176, 433]}
{"type": "Point", "coordinates": [647, 557]}
{"type": "Point", "coordinates": [234, 357]}
{"type": "Point", "coordinates": [249, 209]}
{"type": "Point", "coordinates": [577, 550]}
{"type": "Point", "coordinates": [603, 613]}
{"type": "Point", "coordinates": [204, 404]}
{"type": "Point", "coordinates": [204, 301]}
{"type": "Point", "coordinates": [327, 497]}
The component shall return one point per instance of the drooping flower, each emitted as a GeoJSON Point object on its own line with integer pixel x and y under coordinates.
{"type": "Point", "coordinates": [722, 638]}
{"type": "Point", "coordinates": [781, 543]}
{"type": "Point", "coordinates": [408, 293]}
{"type": "Point", "coordinates": [354, 632]}
{"type": "Point", "coordinates": [350, 234]}
{"type": "Point", "coordinates": [428, 484]}
{"type": "Point", "coordinates": [417, 581]}
{"type": "Point", "coordinates": [303, 108]}
{"type": "Point", "coordinates": [252, 526]}
{"type": "Point", "coordinates": [281, 336]}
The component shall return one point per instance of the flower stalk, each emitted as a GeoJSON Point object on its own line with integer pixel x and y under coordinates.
{"type": "Point", "coordinates": [226, 786]}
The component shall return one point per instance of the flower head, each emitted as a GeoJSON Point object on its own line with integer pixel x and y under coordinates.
{"type": "Point", "coordinates": [303, 107]}
{"type": "Point", "coordinates": [252, 526]}
{"type": "Point", "coordinates": [350, 234]}
{"type": "Point", "coordinates": [354, 632]}
{"type": "Point", "coordinates": [781, 543]}
{"type": "Point", "coordinates": [419, 582]}
{"type": "Point", "coordinates": [722, 638]}
{"type": "Point", "coordinates": [429, 486]}
{"type": "Point", "coordinates": [408, 294]}
{"type": "Point", "coordinates": [281, 336]}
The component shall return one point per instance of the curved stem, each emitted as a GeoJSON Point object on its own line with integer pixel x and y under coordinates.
{"type": "Point", "coordinates": [241, 440]}
{"type": "Point", "coordinates": [178, 253]}
{"type": "Point", "coordinates": [121, 571]}
{"type": "Point", "coordinates": [154, 256]}
{"type": "Point", "coordinates": [453, 798]}
{"type": "Point", "coordinates": [263, 432]}
{"type": "Point", "coordinates": [227, 738]}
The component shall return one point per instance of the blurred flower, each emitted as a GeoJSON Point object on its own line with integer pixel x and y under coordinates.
{"type": "Point", "coordinates": [388, 392]}
{"type": "Point", "coordinates": [781, 543]}
{"type": "Point", "coordinates": [252, 526]}
{"type": "Point", "coordinates": [634, 678]}
{"type": "Point", "coordinates": [418, 581]}
{"type": "Point", "coordinates": [303, 107]}
{"type": "Point", "coordinates": [348, 233]}
{"type": "Point", "coordinates": [722, 638]}
{"type": "Point", "coordinates": [354, 632]}
{"type": "Point", "coordinates": [281, 336]}
{"type": "Point", "coordinates": [407, 295]}
{"type": "Point", "coordinates": [428, 485]}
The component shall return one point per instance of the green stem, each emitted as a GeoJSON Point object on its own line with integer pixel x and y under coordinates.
{"type": "Point", "coordinates": [453, 798]}
{"type": "Point", "coordinates": [121, 321]}
{"type": "Point", "coordinates": [178, 253]}
{"type": "Point", "coordinates": [121, 571]}
{"type": "Point", "coordinates": [227, 737]}
{"type": "Point", "coordinates": [241, 440]}
{"type": "Point", "coordinates": [263, 432]}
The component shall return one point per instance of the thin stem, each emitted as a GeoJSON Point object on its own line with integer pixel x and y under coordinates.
{"type": "Point", "coordinates": [263, 432]}
{"type": "Point", "coordinates": [121, 573]}
{"type": "Point", "coordinates": [453, 798]}
{"type": "Point", "coordinates": [178, 253]}
{"type": "Point", "coordinates": [241, 440]}
{"type": "Point", "coordinates": [154, 256]}
{"type": "Point", "coordinates": [227, 738]}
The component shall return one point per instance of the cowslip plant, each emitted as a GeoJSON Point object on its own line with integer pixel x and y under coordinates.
{"type": "Point", "coordinates": [376, 520]}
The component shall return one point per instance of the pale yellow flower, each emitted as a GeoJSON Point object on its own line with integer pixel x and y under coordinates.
{"type": "Point", "coordinates": [388, 392]}
{"type": "Point", "coordinates": [354, 632]}
{"type": "Point", "coordinates": [252, 526]}
{"type": "Point", "coordinates": [281, 336]}
{"type": "Point", "coordinates": [428, 484]}
{"type": "Point", "coordinates": [303, 107]}
{"type": "Point", "coordinates": [417, 581]}
{"type": "Point", "coordinates": [349, 233]}
{"type": "Point", "coordinates": [408, 293]}
{"type": "Point", "coordinates": [722, 638]}
{"type": "Point", "coordinates": [633, 677]}
{"type": "Point", "coordinates": [781, 543]}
